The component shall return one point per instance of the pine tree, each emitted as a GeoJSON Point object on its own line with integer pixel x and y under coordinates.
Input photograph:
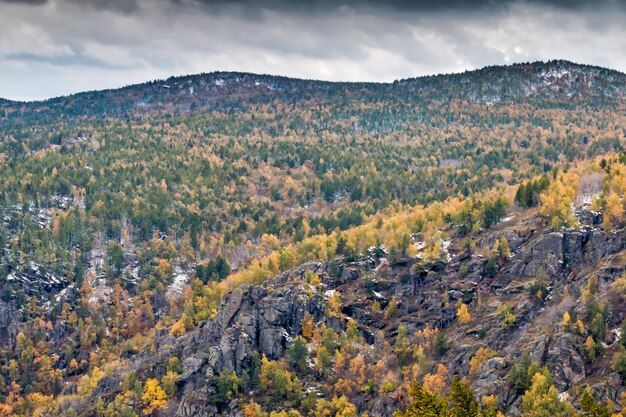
{"type": "Point", "coordinates": [519, 377]}
{"type": "Point", "coordinates": [424, 404]}
{"type": "Point", "coordinates": [591, 408]}
{"type": "Point", "coordinates": [520, 195]}
{"type": "Point", "coordinates": [464, 403]}
{"type": "Point", "coordinates": [297, 354]}
{"type": "Point", "coordinates": [619, 363]}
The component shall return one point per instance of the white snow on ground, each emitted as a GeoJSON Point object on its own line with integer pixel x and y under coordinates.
{"type": "Point", "coordinates": [329, 294]}
{"type": "Point", "coordinates": [100, 292]}
{"type": "Point", "coordinates": [287, 337]}
{"type": "Point", "coordinates": [61, 294]}
{"type": "Point", "coordinates": [445, 244]}
{"type": "Point", "coordinates": [556, 73]}
{"type": "Point", "coordinates": [618, 334]}
{"type": "Point", "coordinates": [175, 289]}
{"type": "Point", "coordinates": [585, 200]}
{"type": "Point", "coordinates": [490, 101]}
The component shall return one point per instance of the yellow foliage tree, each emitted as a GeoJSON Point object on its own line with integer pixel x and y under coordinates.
{"type": "Point", "coordinates": [462, 314]}
{"type": "Point", "coordinates": [557, 200]}
{"type": "Point", "coordinates": [435, 383]}
{"type": "Point", "coordinates": [614, 212]}
{"type": "Point", "coordinates": [307, 326]}
{"type": "Point", "coordinates": [153, 397]}
{"type": "Point", "coordinates": [482, 354]}
{"type": "Point", "coordinates": [566, 320]}
{"type": "Point", "coordinates": [543, 400]}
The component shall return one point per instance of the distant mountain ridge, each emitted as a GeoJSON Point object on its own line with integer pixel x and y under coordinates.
{"type": "Point", "coordinates": [556, 81]}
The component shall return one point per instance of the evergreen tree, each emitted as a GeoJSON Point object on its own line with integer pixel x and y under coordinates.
{"type": "Point", "coordinates": [297, 355]}
{"type": "Point", "coordinates": [464, 403]}
{"type": "Point", "coordinates": [590, 408]}
{"type": "Point", "coordinates": [424, 404]}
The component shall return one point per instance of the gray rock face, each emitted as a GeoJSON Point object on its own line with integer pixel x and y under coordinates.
{"type": "Point", "coordinates": [589, 217]}
{"type": "Point", "coordinates": [610, 388]}
{"type": "Point", "coordinates": [566, 364]}
{"type": "Point", "coordinates": [251, 319]}
{"type": "Point", "coordinates": [490, 377]}
{"type": "Point", "coordinates": [546, 254]}
{"type": "Point", "coordinates": [8, 325]}
{"type": "Point", "coordinates": [196, 403]}
{"type": "Point", "coordinates": [555, 252]}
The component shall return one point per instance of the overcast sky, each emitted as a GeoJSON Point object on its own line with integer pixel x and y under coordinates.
{"type": "Point", "coordinates": [57, 47]}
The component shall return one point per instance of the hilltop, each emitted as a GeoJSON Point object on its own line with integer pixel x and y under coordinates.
{"type": "Point", "coordinates": [558, 82]}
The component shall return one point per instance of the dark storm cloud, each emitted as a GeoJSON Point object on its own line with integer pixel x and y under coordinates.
{"type": "Point", "coordinates": [125, 6]}
{"type": "Point", "coordinates": [60, 46]}
{"type": "Point", "coordinates": [253, 7]}
{"type": "Point", "coordinates": [26, 2]}
{"type": "Point", "coordinates": [330, 5]}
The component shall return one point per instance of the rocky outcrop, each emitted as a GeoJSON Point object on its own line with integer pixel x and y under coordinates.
{"type": "Point", "coordinates": [8, 325]}
{"type": "Point", "coordinates": [490, 377]}
{"type": "Point", "coordinates": [251, 319]}
{"type": "Point", "coordinates": [264, 319]}
{"type": "Point", "coordinates": [566, 364]}
{"type": "Point", "coordinates": [557, 252]}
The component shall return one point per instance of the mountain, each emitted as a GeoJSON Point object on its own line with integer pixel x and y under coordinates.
{"type": "Point", "coordinates": [555, 81]}
{"type": "Point", "coordinates": [239, 244]}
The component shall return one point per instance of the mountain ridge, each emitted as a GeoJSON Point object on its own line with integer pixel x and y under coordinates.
{"type": "Point", "coordinates": [526, 66]}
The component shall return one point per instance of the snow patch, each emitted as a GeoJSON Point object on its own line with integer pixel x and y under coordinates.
{"type": "Point", "coordinates": [286, 335]}
{"type": "Point", "coordinates": [445, 244]}
{"type": "Point", "coordinates": [419, 245]}
{"type": "Point", "coordinates": [175, 289]}
{"type": "Point", "coordinates": [101, 293]}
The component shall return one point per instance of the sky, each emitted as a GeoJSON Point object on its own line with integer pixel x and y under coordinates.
{"type": "Point", "coordinates": [50, 48]}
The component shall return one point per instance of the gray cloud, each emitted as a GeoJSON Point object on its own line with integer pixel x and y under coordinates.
{"type": "Point", "coordinates": [253, 8]}
{"type": "Point", "coordinates": [57, 47]}
{"type": "Point", "coordinates": [26, 2]}
{"type": "Point", "coordinates": [299, 5]}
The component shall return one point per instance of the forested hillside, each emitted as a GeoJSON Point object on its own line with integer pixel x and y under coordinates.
{"type": "Point", "coordinates": [239, 244]}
